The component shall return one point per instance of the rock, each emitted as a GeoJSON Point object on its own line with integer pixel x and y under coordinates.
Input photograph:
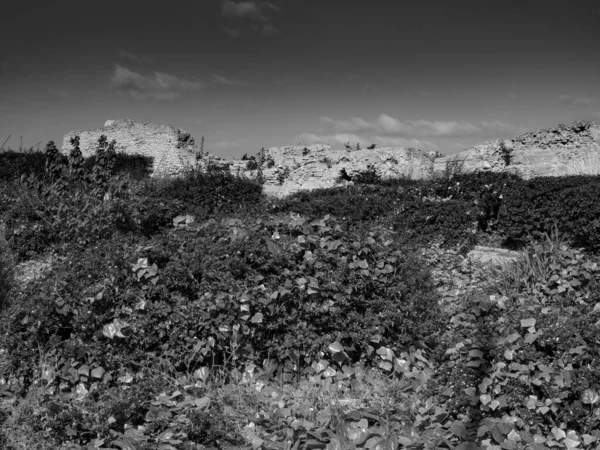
{"type": "Point", "coordinates": [571, 149]}
{"type": "Point", "coordinates": [563, 150]}
{"type": "Point", "coordinates": [492, 255]}
{"type": "Point", "coordinates": [172, 148]}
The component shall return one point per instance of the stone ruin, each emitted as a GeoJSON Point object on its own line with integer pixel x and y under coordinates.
{"type": "Point", "coordinates": [563, 150]}
{"type": "Point", "coordinates": [567, 149]}
{"type": "Point", "coordinates": [172, 149]}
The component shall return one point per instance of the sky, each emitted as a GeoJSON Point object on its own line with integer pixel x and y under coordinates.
{"type": "Point", "coordinates": [430, 74]}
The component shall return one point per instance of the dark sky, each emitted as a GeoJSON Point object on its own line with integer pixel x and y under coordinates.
{"type": "Point", "coordinates": [432, 74]}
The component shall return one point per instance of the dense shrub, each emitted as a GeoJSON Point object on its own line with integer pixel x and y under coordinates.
{"type": "Point", "coordinates": [209, 192]}
{"type": "Point", "coordinates": [531, 355]}
{"type": "Point", "coordinates": [280, 290]}
{"type": "Point", "coordinates": [422, 221]}
{"type": "Point", "coordinates": [252, 163]}
{"type": "Point", "coordinates": [64, 206]}
{"type": "Point", "coordinates": [139, 167]}
{"type": "Point", "coordinates": [534, 207]}
{"type": "Point", "coordinates": [13, 164]}
{"type": "Point", "coordinates": [354, 203]}
{"type": "Point", "coordinates": [368, 176]}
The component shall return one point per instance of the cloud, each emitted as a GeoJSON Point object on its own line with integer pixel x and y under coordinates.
{"type": "Point", "coordinates": [130, 57]}
{"type": "Point", "coordinates": [339, 139]}
{"type": "Point", "coordinates": [569, 100]}
{"type": "Point", "coordinates": [499, 128]}
{"type": "Point", "coordinates": [422, 128]}
{"type": "Point", "coordinates": [243, 10]}
{"type": "Point", "coordinates": [512, 96]}
{"type": "Point", "coordinates": [250, 16]}
{"type": "Point", "coordinates": [159, 86]}
{"type": "Point", "coordinates": [220, 79]}
{"type": "Point", "coordinates": [266, 30]}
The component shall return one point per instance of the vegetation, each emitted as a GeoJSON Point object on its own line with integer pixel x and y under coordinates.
{"type": "Point", "coordinates": [196, 313]}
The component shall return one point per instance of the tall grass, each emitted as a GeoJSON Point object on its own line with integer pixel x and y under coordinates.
{"type": "Point", "coordinates": [536, 262]}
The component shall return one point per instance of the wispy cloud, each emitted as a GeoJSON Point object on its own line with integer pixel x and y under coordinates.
{"type": "Point", "coordinates": [569, 100]}
{"type": "Point", "coordinates": [131, 58]}
{"type": "Point", "coordinates": [250, 15]}
{"type": "Point", "coordinates": [243, 10]}
{"type": "Point", "coordinates": [158, 86]}
{"type": "Point", "coordinates": [265, 30]}
{"type": "Point", "coordinates": [233, 32]}
{"type": "Point", "coordinates": [220, 79]}
{"type": "Point", "coordinates": [388, 125]}
{"type": "Point", "coordinates": [339, 139]}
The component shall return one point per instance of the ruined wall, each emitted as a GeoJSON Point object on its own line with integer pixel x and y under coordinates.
{"type": "Point", "coordinates": [567, 149]}
{"type": "Point", "coordinates": [562, 150]}
{"type": "Point", "coordinates": [318, 166]}
{"type": "Point", "coordinates": [172, 148]}
{"type": "Point", "coordinates": [570, 149]}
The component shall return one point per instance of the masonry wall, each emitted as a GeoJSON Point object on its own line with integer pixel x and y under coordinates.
{"type": "Point", "coordinates": [171, 148]}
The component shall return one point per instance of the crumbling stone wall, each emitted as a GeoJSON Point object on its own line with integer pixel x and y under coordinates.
{"type": "Point", "coordinates": [570, 149]}
{"type": "Point", "coordinates": [171, 148]}
{"type": "Point", "coordinates": [566, 149]}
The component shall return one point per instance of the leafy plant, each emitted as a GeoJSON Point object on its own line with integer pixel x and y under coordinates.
{"type": "Point", "coordinates": [368, 176]}
{"type": "Point", "coordinates": [534, 207]}
{"type": "Point", "coordinates": [251, 163]}
{"type": "Point", "coordinates": [6, 268]}
{"type": "Point", "coordinates": [327, 161]}
{"type": "Point", "coordinates": [282, 175]}
{"type": "Point", "coordinates": [506, 152]}
{"type": "Point", "coordinates": [343, 176]}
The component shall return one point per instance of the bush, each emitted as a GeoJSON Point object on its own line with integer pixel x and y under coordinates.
{"type": "Point", "coordinates": [282, 290]}
{"type": "Point", "coordinates": [343, 176]}
{"type": "Point", "coordinates": [64, 206]}
{"type": "Point", "coordinates": [210, 192]}
{"type": "Point", "coordinates": [535, 207]}
{"type": "Point", "coordinates": [252, 164]}
{"type": "Point", "coordinates": [422, 221]}
{"type": "Point", "coordinates": [139, 167]}
{"type": "Point", "coordinates": [368, 176]}
{"type": "Point", "coordinates": [486, 190]}
{"type": "Point", "coordinates": [6, 268]}
{"type": "Point", "coordinates": [355, 204]}
{"type": "Point", "coordinates": [531, 354]}
{"type": "Point", "coordinates": [15, 164]}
